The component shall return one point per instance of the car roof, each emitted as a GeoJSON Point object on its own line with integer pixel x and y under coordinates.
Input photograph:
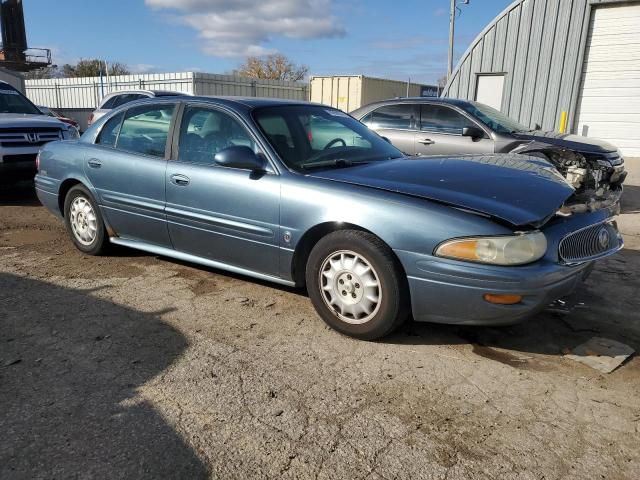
{"type": "Point", "coordinates": [246, 103]}
{"type": "Point", "coordinates": [443, 100]}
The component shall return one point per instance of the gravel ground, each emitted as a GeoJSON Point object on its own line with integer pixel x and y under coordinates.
{"type": "Point", "coordinates": [134, 366]}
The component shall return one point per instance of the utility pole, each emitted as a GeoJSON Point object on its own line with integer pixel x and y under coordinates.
{"type": "Point", "coordinates": [452, 30]}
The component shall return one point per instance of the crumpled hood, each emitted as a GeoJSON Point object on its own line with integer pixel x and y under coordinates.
{"type": "Point", "coordinates": [19, 120]}
{"type": "Point", "coordinates": [517, 189]}
{"type": "Point", "coordinates": [568, 141]}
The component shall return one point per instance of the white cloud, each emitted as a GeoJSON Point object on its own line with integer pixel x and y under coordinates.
{"type": "Point", "coordinates": [143, 68]}
{"type": "Point", "coordinates": [440, 12]}
{"type": "Point", "coordinates": [236, 28]}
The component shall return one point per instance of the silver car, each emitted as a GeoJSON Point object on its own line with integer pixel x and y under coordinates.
{"type": "Point", "coordinates": [116, 99]}
{"type": "Point", "coordinates": [449, 126]}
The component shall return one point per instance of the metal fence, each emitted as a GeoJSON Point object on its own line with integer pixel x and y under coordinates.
{"type": "Point", "coordinates": [86, 93]}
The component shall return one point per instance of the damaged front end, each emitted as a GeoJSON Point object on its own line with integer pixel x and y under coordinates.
{"type": "Point", "coordinates": [596, 178]}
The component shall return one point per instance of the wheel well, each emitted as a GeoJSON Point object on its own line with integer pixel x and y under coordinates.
{"type": "Point", "coordinates": [64, 189]}
{"type": "Point", "coordinates": [308, 241]}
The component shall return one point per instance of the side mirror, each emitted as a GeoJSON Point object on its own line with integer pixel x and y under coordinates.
{"type": "Point", "coordinates": [240, 156]}
{"type": "Point", "coordinates": [473, 132]}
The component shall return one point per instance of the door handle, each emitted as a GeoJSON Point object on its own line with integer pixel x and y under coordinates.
{"type": "Point", "coordinates": [95, 163]}
{"type": "Point", "coordinates": [426, 141]}
{"type": "Point", "coordinates": [181, 180]}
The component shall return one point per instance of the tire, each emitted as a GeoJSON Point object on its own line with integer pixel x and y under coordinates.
{"type": "Point", "coordinates": [341, 287]}
{"type": "Point", "coordinates": [84, 222]}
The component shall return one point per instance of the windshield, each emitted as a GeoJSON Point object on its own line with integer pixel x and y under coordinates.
{"type": "Point", "coordinates": [309, 136]}
{"type": "Point", "coordinates": [12, 101]}
{"type": "Point", "coordinates": [492, 118]}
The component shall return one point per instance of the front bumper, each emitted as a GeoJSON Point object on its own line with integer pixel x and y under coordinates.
{"type": "Point", "coordinates": [17, 171]}
{"type": "Point", "coordinates": [445, 291]}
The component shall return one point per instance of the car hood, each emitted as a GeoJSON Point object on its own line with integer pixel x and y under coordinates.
{"type": "Point", "coordinates": [568, 141]}
{"type": "Point", "coordinates": [517, 189]}
{"type": "Point", "coordinates": [19, 120]}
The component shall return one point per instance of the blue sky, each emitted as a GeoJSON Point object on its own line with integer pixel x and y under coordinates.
{"type": "Point", "coordinates": [383, 38]}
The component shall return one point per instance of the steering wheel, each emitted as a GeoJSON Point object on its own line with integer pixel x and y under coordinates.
{"type": "Point", "coordinates": [333, 142]}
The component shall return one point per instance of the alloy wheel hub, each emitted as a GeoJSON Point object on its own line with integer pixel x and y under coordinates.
{"type": "Point", "coordinates": [350, 287]}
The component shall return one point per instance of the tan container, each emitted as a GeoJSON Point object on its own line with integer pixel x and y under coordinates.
{"type": "Point", "coordinates": [350, 92]}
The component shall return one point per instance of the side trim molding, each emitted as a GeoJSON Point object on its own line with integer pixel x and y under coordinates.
{"type": "Point", "coordinates": [186, 257]}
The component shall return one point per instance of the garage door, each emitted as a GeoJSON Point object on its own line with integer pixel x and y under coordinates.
{"type": "Point", "coordinates": [609, 105]}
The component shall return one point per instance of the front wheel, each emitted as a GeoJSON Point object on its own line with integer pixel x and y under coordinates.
{"type": "Point", "coordinates": [84, 221]}
{"type": "Point", "coordinates": [356, 284]}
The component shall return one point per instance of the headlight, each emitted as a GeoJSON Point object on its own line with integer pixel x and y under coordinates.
{"type": "Point", "coordinates": [70, 133]}
{"type": "Point", "coordinates": [503, 250]}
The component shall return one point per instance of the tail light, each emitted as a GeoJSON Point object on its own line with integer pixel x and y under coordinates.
{"type": "Point", "coordinates": [90, 120]}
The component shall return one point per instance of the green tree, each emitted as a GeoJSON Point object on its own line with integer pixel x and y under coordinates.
{"type": "Point", "coordinates": [93, 67]}
{"type": "Point", "coordinates": [272, 67]}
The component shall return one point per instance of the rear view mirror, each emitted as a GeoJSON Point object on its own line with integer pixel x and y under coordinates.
{"type": "Point", "coordinates": [473, 132]}
{"type": "Point", "coordinates": [240, 156]}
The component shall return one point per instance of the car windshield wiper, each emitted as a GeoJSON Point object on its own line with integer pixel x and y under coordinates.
{"type": "Point", "coordinates": [336, 162]}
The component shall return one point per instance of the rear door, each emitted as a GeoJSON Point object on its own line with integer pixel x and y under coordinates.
{"type": "Point", "coordinates": [440, 133]}
{"type": "Point", "coordinates": [398, 123]}
{"type": "Point", "coordinates": [127, 166]}
{"type": "Point", "coordinates": [229, 215]}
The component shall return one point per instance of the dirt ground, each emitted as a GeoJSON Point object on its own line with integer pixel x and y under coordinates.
{"type": "Point", "coordinates": [134, 366]}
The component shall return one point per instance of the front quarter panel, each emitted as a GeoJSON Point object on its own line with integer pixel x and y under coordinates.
{"type": "Point", "coordinates": [403, 222]}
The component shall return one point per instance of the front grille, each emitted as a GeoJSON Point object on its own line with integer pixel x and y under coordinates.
{"type": "Point", "coordinates": [28, 137]}
{"type": "Point", "coordinates": [590, 243]}
{"type": "Point", "coordinates": [27, 157]}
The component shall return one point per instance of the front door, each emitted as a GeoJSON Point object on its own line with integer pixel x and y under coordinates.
{"type": "Point", "coordinates": [440, 133]}
{"type": "Point", "coordinates": [127, 166]}
{"type": "Point", "coordinates": [224, 214]}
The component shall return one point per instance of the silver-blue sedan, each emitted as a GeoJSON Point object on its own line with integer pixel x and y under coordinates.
{"type": "Point", "coordinates": [303, 194]}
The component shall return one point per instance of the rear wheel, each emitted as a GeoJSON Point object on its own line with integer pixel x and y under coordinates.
{"type": "Point", "coordinates": [356, 284]}
{"type": "Point", "coordinates": [84, 221]}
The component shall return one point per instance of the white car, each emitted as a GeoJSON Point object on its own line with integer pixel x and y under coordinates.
{"type": "Point", "coordinates": [115, 99]}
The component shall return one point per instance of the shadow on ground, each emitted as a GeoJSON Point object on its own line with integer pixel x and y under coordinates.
{"type": "Point", "coordinates": [630, 202]}
{"type": "Point", "coordinates": [20, 194]}
{"type": "Point", "coordinates": [70, 366]}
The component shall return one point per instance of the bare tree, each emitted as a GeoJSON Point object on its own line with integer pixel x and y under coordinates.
{"type": "Point", "coordinates": [272, 67]}
{"type": "Point", "coordinates": [442, 82]}
{"type": "Point", "coordinates": [93, 68]}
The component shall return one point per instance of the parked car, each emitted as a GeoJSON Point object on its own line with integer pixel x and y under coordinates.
{"type": "Point", "coordinates": [244, 185]}
{"type": "Point", "coordinates": [446, 126]}
{"type": "Point", "coordinates": [116, 99]}
{"type": "Point", "coordinates": [23, 130]}
{"type": "Point", "coordinates": [56, 114]}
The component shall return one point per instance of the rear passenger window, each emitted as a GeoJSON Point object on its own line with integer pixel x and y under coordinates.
{"type": "Point", "coordinates": [109, 133]}
{"type": "Point", "coordinates": [126, 98]}
{"type": "Point", "coordinates": [401, 116]}
{"type": "Point", "coordinates": [145, 129]}
{"type": "Point", "coordinates": [442, 119]}
{"type": "Point", "coordinates": [109, 103]}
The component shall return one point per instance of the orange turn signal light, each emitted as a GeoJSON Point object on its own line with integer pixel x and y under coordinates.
{"type": "Point", "coordinates": [502, 299]}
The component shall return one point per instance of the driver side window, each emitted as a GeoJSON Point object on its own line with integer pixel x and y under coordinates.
{"type": "Point", "coordinates": [205, 132]}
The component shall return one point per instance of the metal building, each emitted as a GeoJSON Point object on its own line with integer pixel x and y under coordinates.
{"type": "Point", "coordinates": [540, 58]}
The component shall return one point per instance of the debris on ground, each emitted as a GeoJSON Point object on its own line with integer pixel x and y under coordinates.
{"type": "Point", "coordinates": [602, 354]}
